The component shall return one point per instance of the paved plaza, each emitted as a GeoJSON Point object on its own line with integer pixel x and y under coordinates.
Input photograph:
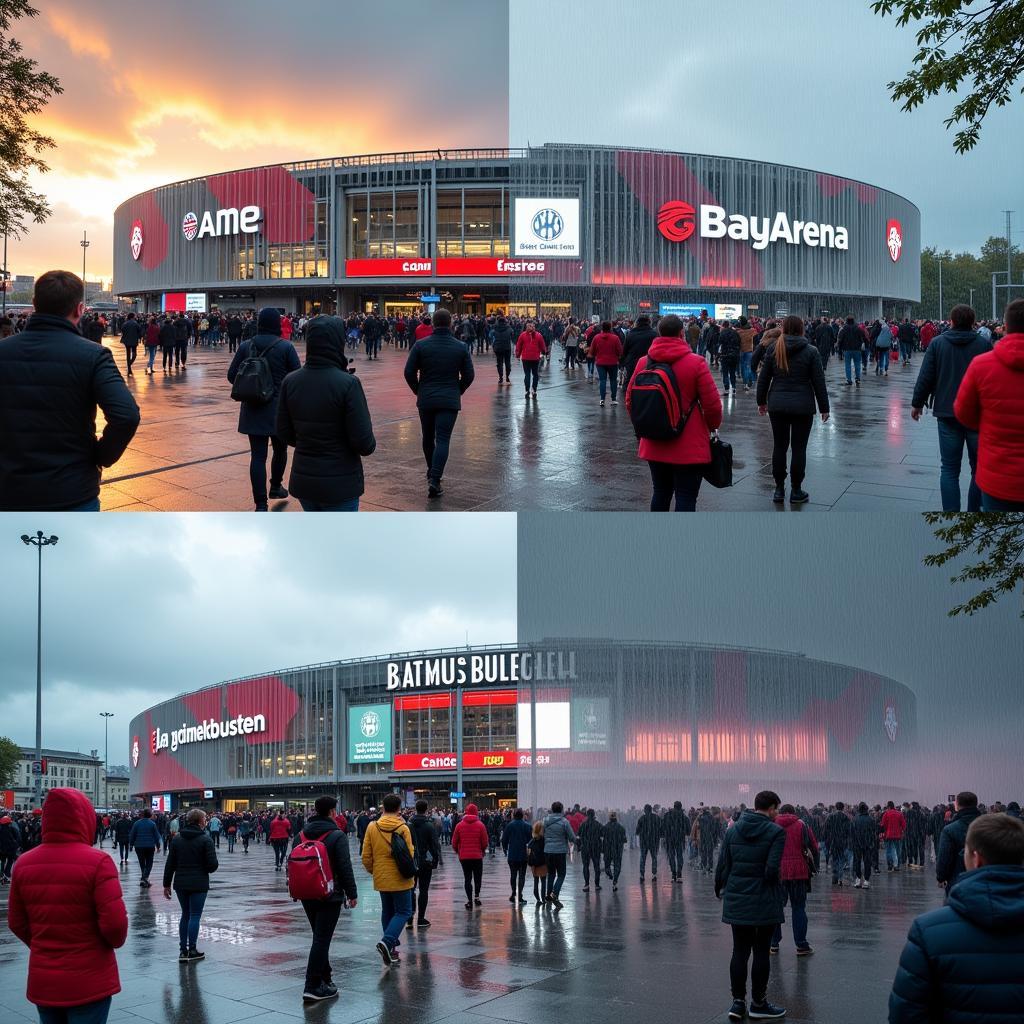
{"type": "Point", "coordinates": [560, 453]}
{"type": "Point", "coordinates": [657, 953]}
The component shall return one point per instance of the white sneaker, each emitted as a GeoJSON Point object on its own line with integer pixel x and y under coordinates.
{"type": "Point", "coordinates": [857, 884]}
{"type": "Point", "coordinates": [866, 885]}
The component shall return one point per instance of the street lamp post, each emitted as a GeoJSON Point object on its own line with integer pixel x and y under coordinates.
{"type": "Point", "coordinates": [106, 716]}
{"type": "Point", "coordinates": [39, 542]}
{"type": "Point", "coordinates": [84, 243]}
{"type": "Point", "coordinates": [940, 288]}
{"type": "Point", "coordinates": [4, 311]}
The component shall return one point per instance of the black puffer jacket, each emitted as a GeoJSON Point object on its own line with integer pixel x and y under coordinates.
{"type": "Point", "coordinates": [502, 342]}
{"type": "Point", "coordinates": [949, 861]}
{"type": "Point", "coordinates": [864, 834]}
{"type": "Point", "coordinates": [424, 838]}
{"type": "Point", "coordinates": [51, 382]}
{"type": "Point", "coordinates": [635, 347]}
{"type": "Point", "coordinates": [191, 860]}
{"type": "Point", "coordinates": [851, 339]}
{"type": "Point", "coordinates": [796, 391]}
{"type": "Point", "coordinates": [322, 412]}
{"type": "Point", "coordinates": [260, 420]}
{"type": "Point", "coordinates": [747, 876]}
{"type": "Point", "coordinates": [336, 841]}
{"type": "Point", "coordinates": [439, 369]}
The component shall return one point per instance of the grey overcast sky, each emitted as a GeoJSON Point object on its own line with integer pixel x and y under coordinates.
{"type": "Point", "coordinates": [139, 609]}
{"type": "Point", "coordinates": [800, 82]}
{"type": "Point", "coordinates": [854, 592]}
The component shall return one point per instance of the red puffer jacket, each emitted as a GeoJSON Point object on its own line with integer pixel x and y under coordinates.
{"type": "Point", "coordinates": [894, 824]}
{"type": "Point", "coordinates": [469, 840]}
{"type": "Point", "coordinates": [794, 866]}
{"type": "Point", "coordinates": [530, 346]}
{"type": "Point", "coordinates": [991, 401]}
{"type": "Point", "coordinates": [280, 828]}
{"type": "Point", "coordinates": [66, 906]}
{"type": "Point", "coordinates": [606, 349]}
{"type": "Point", "coordinates": [692, 446]}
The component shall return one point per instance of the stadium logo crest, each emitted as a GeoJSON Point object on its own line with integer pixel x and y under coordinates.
{"type": "Point", "coordinates": [894, 239]}
{"type": "Point", "coordinates": [136, 239]}
{"type": "Point", "coordinates": [547, 225]}
{"type": "Point", "coordinates": [676, 220]}
{"type": "Point", "coordinates": [135, 752]}
{"type": "Point", "coordinates": [190, 225]}
{"type": "Point", "coordinates": [369, 724]}
{"type": "Point", "coordinates": [891, 724]}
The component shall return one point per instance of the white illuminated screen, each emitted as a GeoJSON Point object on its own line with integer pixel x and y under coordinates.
{"type": "Point", "coordinates": [553, 726]}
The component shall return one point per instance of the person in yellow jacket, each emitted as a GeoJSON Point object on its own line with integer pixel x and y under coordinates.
{"type": "Point", "coordinates": [394, 888]}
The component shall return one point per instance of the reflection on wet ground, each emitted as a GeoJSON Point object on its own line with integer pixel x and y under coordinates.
{"type": "Point", "coordinates": [654, 952]}
{"type": "Point", "coordinates": [563, 452]}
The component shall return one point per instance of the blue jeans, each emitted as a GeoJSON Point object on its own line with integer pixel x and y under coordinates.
{"type": "Point", "coordinates": [745, 370]}
{"type": "Point", "coordinates": [87, 506]}
{"type": "Point", "coordinates": [952, 438]}
{"type": "Point", "coordinates": [795, 894]}
{"type": "Point", "coordinates": [351, 505]}
{"type": "Point", "coordinates": [906, 350]}
{"type": "Point", "coordinates": [990, 504]}
{"type": "Point", "coordinates": [395, 910]}
{"type": "Point", "coordinates": [883, 360]}
{"type": "Point", "coordinates": [605, 374]}
{"type": "Point", "coordinates": [88, 1013]}
{"type": "Point", "coordinates": [838, 864]}
{"type": "Point", "coordinates": [852, 359]}
{"type": "Point", "coordinates": [192, 904]}
{"type": "Point", "coordinates": [151, 351]}
{"type": "Point", "coordinates": [892, 853]}
{"type": "Point", "coordinates": [729, 372]}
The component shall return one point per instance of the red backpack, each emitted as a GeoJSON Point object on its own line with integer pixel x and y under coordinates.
{"type": "Point", "coordinates": [309, 871]}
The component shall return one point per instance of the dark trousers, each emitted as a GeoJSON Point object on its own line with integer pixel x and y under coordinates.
{"type": "Point", "coordinates": [423, 891]}
{"type": "Point", "coordinates": [437, 425]}
{"type": "Point", "coordinates": [682, 481]}
{"type": "Point", "coordinates": [88, 1013]}
{"type": "Point", "coordinates": [517, 877]}
{"type": "Point", "coordinates": [541, 886]}
{"type": "Point", "coordinates": [674, 850]}
{"type": "Point", "coordinates": [323, 919]}
{"type": "Point", "coordinates": [707, 857]}
{"type": "Point", "coordinates": [747, 939]}
{"type": "Point", "coordinates": [530, 372]}
{"type": "Point", "coordinates": [570, 357]}
{"type": "Point", "coordinates": [644, 851]}
{"type": "Point", "coordinates": [556, 872]}
{"type": "Point", "coordinates": [6, 863]}
{"type": "Point", "coordinates": [790, 431]}
{"type": "Point", "coordinates": [592, 859]}
{"type": "Point", "coordinates": [168, 356]}
{"type": "Point", "coordinates": [472, 877]}
{"type": "Point", "coordinates": [123, 849]}
{"type": "Point", "coordinates": [130, 354]}
{"type": "Point", "coordinates": [180, 352]}
{"type": "Point", "coordinates": [258, 446]}
{"type": "Point", "coordinates": [862, 864]}
{"type": "Point", "coordinates": [280, 851]}
{"type": "Point", "coordinates": [612, 867]}
{"type": "Point", "coordinates": [504, 361]}
{"type": "Point", "coordinates": [145, 856]}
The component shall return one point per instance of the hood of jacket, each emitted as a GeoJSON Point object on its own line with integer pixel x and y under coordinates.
{"type": "Point", "coordinates": [68, 817]}
{"type": "Point", "coordinates": [191, 832]}
{"type": "Point", "coordinates": [786, 820]}
{"type": "Point", "coordinates": [470, 817]}
{"type": "Point", "coordinates": [317, 828]}
{"type": "Point", "coordinates": [325, 342]}
{"type": "Point", "coordinates": [551, 819]}
{"type": "Point", "coordinates": [991, 897]}
{"type": "Point", "coordinates": [753, 826]}
{"type": "Point", "coordinates": [667, 350]}
{"type": "Point", "coordinates": [955, 337]}
{"type": "Point", "coordinates": [795, 343]}
{"type": "Point", "coordinates": [1010, 351]}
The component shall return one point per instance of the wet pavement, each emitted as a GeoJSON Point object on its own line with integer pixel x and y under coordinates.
{"type": "Point", "coordinates": [561, 453]}
{"type": "Point", "coordinates": [653, 953]}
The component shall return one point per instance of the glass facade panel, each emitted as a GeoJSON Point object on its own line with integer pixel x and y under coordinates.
{"type": "Point", "coordinates": [383, 224]}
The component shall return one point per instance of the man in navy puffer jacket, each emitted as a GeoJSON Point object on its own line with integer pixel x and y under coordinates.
{"type": "Point", "coordinates": [965, 962]}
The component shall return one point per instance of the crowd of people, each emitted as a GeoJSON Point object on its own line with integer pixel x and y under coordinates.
{"type": "Point", "coordinates": [971, 376]}
{"type": "Point", "coordinates": [66, 901]}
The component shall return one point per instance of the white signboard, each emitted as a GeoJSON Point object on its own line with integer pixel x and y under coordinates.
{"type": "Point", "coordinates": [195, 302]}
{"type": "Point", "coordinates": [547, 227]}
{"type": "Point", "coordinates": [728, 310]}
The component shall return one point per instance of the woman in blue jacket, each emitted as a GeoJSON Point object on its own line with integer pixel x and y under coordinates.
{"type": "Point", "coordinates": [514, 840]}
{"type": "Point", "coordinates": [144, 838]}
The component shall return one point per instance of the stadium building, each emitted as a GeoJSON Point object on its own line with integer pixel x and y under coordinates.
{"type": "Point", "coordinates": [555, 229]}
{"type": "Point", "coordinates": [616, 724]}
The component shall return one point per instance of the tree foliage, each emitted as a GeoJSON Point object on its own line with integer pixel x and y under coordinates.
{"type": "Point", "coordinates": [24, 91]}
{"type": "Point", "coordinates": [10, 757]}
{"type": "Point", "coordinates": [963, 271]}
{"type": "Point", "coordinates": [996, 539]}
{"type": "Point", "coordinates": [958, 41]}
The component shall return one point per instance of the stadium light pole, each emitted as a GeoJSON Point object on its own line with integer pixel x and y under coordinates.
{"type": "Point", "coordinates": [940, 287]}
{"type": "Point", "coordinates": [106, 716]}
{"type": "Point", "coordinates": [4, 311]}
{"type": "Point", "coordinates": [84, 243]}
{"type": "Point", "coordinates": [39, 542]}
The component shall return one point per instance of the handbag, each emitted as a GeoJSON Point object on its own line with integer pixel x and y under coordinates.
{"type": "Point", "coordinates": [540, 871]}
{"type": "Point", "coordinates": [718, 472]}
{"type": "Point", "coordinates": [805, 849]}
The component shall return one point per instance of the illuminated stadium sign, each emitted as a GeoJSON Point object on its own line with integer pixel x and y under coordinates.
{"type": "Point", "coordinates": [230, 221]}
{"type": "Point", "coordinates": [210, 729]}
{"type": "Point", "coordinates": [477, 669]}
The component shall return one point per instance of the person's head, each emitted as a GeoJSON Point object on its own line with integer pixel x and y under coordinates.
{"type": "Point", "coordinates": [502, 322]}
{"type": "Point", "coordinates": [147, 812]}
{"type": "Point", "coordinates": [421, 806]}
{"type": "Point", "coordinates": [787, 809]}
{"type": "Point", "coordinates": [966, 801]}
{"type": "Point", "coordinates": [1014, 317]}
{"type": "Point", "coordinates": [849, 320]}
{"type": "Point", "coordinates": [994, 839]}
{"type": "Point", "coordinates": [538, 829]}
{"type": "Point", "coordinates": [862, 808]}
{"type": "Point", "coordinates": [793, 326]}
{"type": "Point", "coordinates": [613, 816]}
{"type": "Point", "coordinates": [606, 325]}
{"type": "Point", "coordinates": [442, 319]}
{"type": "Point", "coordinates": [648, 809]}
{"type": "Point", "coordinates": [196, 818]}
{"type": "Point", "coordinates": [60, 293]}
{"type": "Point", "coordinates": [518, 814]}
{"type": "Point", "coordinates": [840, 805]}
{"type": "Point", "coordinates": [678, 805]}
{"type": "Point", "coordinates": [269, 321]}
{"type": "Point", "coordinates": [324, 806]}
{"type": "Point", "coordinates": [590, 812]}
{"type": "Point", "coordinates": [962, 318]}
{"type": "Point", "coordinates": [643, 320]}
{"type": "Point", "coordinates": [391, 803]}
{"type": "Point", "coordinates": [670, 326]}
{"type": "Point", "coordinates": [556, 807]}
{"type": "Point", "coordinates": [890, 805]}
{"type": "Point", "coordinates": [767, 802]}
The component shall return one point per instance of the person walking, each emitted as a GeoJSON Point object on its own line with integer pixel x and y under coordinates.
{"type": "Point", "coordinates": [65, 904]}
{"type": "Point", "coordinates": [949, 862]}
{"type": "Point", "coordinates": [964, 963]}
{"type": "Point", "coordinates": [10, 847]}
{"type": "Point", "coordinates": [864, 843]}
{"type": "Point", "coordinates": [675, 827]}
{"type": "Point", "coordinates": [943, 368]}
{"type": "Point", "coordinates": [515, 841]}
{"type": "Point", "coordinates": [746, 335]}
{"type": "Point", "coordinates": [531, 349]}
{"type": "Point", "coordinates": [322, 413]}
{"type": "Point", "coordinates": [851, 342]}
{"type": "Point", "coordinates": [558, 838]}
{"type": "Point", "coordinates": [182, 327]}
{"type": "Point", "coordinates": [893, 826]}
{"type": "Point", "coordinates": [152, 343]}
{"type": "Point", "coordinates": [280, 830]}
{"type": "Point", "coordinates": [144, 838]}
{"type": "Point", "coordinates": [729, 346]}
{"type": "Point", "coordinates": [428, 858]}
{"type": "Point", "coordinates": [131, 335]}
{"type": "Point", "coordinates": [591, 840]}
{"type": "Point", "coordinates": [537, 861]}
{"type": "Point", "coordinates": [122, 837]}
{"type": "Point", "coordinates": [216, 828]}
{"type": "Point", "coordinates": [571, 344]}
{"type": "Point", "coordinates": [648, 831]}
{"type": "Point", "coordinates": [747, 881]}
{"type": "Point", "coordinates": [798, 855]}
{"type": "Point", "coordinates": [790, 384]}
{"type": "Point", "coordinates": [606, 352]}
{"type": "Point", "coordinates": [614, 840]}
{"type": "Point", "coordinates": [245, 830]}
{"type": "Point", "coordinates": [323, 914]}
{"type": "Point", "coordinates": [501, 345]}
{"type": "Point", "coordinates": [439, 371]}
{"type": "Point", "coordinates": [167, 343]}
{"type": "Point", "coordinates": [990, 401]}
{"type": "Point", "coordinates": [636, 345]}
{"type": "Point", "coordinates": [190, 862]}
{"type": "Point", "coordinates": [836, 835]}
{"type": "Point", "coordinates": [470, 842]}
{"type": "Point", "coordinates": [394, 887]}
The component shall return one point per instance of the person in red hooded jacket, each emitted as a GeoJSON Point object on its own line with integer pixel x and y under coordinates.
{"type": "Point", "coordinates": [794, 874]}
{"type": "Point", "coordinates": [470, 842]}
{"type": "Point", "coordinates": [606, 351]}
{"type": "Point", "coordinates": [66, 906]}
{"type": "Point", "coordinates": [893, 826]}
{"type": "Point", "coordinates": [530, 347]}
{"type": "Point", "coordinates": [991, 400]}
{"type": "Point", "coordinates": [677, 465]}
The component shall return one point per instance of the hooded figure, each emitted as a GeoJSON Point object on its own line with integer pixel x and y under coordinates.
{"type": "Point", "coordinates": [323, 414]}
{"type": "Point", "coordinates": [66, 906]}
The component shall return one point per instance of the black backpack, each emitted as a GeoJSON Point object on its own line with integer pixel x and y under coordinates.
{"type": "Point", "coordinates": [254, 381]}
{"type": "Point", "coordinates": [656, 403]}
{"type": "Point", "coordinates": [402, 855]}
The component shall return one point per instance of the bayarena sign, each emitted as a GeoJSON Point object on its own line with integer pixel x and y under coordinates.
{"type": "Point", "coordinates": [230, 221]}
{"type": "Point", "coordinates": [477, 669]}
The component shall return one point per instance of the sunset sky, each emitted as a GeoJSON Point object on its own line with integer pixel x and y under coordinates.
{"type": "Point", "coordinates": [154, 93]}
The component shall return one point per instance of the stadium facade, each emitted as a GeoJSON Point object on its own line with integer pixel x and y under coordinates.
{"type": "Point", "coordinates": [616, 724]}
{"type": "Point", "coordinates": [554, 229]}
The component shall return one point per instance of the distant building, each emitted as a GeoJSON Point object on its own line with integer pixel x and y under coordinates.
{"type": "Point", "coordinates": [23, 283]}
{"type": "Point", "coordinates": [63, 768]}
{"type": "Point", "coordinates": [115, 795]}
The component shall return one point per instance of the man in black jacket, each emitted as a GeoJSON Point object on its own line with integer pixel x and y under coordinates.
{"type": "Point", "coordinates": [635, 347]}
{"type": "Point", "coordinates": [949, 861]}
{"type": "Point", "coordinates": [323, 914]}
{"type": "Point", "coordinates": [428, 857]}
{"type": "Point", "coordinates": [837, 834]}
{"type": "Point", "coordinates": [51, 381]}
{"type": "Point", "coordinates": [234, 331]}
{"type": "Point", "coordinates": [676, 826]}
{"type": "Point", "coordinates": [729, 344]}
{"type": "Point", "coordinates": [648, 831]}
{"type": "Point", "coordinates": [182, 332]}
{"type": "Point", "coordinates": [322, 413]}
{"type": "Point", "coordinates": [190, 862]}
{"type": "Point", "coordinates": [131, 335]}
{"type": "Point", "coordinates": [439, 371]}
{"type": "Point", "coordinates": [851, 341]}
{"type": "Point", "coordinates": [590, 840]}
{"type": "Point", "coordinates": [614, 839]}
